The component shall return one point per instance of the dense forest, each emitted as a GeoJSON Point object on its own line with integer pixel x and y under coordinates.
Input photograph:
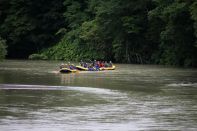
{"type": "Point", "coordinates": [127, 31]}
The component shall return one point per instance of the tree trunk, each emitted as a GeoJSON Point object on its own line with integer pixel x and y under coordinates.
{"type": "Point", "coordinates": [127, 53]}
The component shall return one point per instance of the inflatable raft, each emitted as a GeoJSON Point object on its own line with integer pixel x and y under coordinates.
{"type": "Point", "coordinates": [66, 70]}
{"type": "Point", "coordinates": [81, 68]}
{"type": "Point", "coordinates": [108, 68]}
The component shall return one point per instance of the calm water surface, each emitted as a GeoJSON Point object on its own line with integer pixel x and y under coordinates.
{"type": "Point", "coordinates": [35, 97]}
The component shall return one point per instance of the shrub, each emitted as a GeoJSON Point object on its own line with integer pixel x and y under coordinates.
{"type": "Point", "coordinates": [37, 57]}
{"type": "Point", "coordinates": [3, 47]}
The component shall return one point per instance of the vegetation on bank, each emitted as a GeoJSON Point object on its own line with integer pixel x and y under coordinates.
{"type": "Point", "coordinates": [129, 31]}
{"type": "Point", "coordinates": [3, 50]}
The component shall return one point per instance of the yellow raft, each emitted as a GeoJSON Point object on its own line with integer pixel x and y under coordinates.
{"type": "Point", "coordinates": [81, 68]}
{"type": "Point", "coordinates": [108, 68]}
{"type": "Point", "coordinates": [66, 70]}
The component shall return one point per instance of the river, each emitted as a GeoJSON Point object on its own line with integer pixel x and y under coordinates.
{"type": "Point", "coordinates": [35, 97]}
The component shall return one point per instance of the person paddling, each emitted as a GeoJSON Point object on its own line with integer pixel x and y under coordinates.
{"type": "Point", "coordinates": [110, 64]}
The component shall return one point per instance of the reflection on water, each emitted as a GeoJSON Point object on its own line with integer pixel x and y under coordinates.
{"type": "Point", "coordinates": [33, 96]}
{"type": "Point", "coordinates": [68, 78]}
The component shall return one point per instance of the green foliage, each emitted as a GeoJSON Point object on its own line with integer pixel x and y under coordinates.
{"type": "Point", "coordinates": [89, 31]}
{"type": "Point", "coordinates": [152, 31]}
{"type": "Point", "coordinates": [3, 50]}
{"type": "Point", "coordinates": [129, 31]}
{"type": "Point", "coordinates": [29, 26]}
{"type": "Point", "coordinates": [37, 57]}
{"type": "Point", "coordinates": [63, 51]}
{"type": "Point", "coordinates": [68, 51]}
{"type": "Point", "coordinates": [193, 9]}
{"type": "Point", "coordinates": [178, 37]}
{"type": "Point", "coordinates": [118, 51]}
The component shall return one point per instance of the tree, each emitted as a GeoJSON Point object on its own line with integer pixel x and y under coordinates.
{"type": "Point", "coordinates": [193, 9]}
{"type": "Point", "coordinates": [124, 27]}
{"type": "Point", "coordinates": [29, 26]}
{"type": "Point", "coordinates": [129, 31]}
{"type": "Point", "coordinates": [178, 37]}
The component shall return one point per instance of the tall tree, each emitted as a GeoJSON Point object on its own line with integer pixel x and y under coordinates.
{"type": "Point", "coordinates": [29, 25]}
{"type": "Point", "coordinates": [178, 37]}
{"type": "Point", "coordinates": [124, 27]}
{"type": "Point", "coordinates": [193, 9]}
{"type": "Point", "coordinates": [151, 31]}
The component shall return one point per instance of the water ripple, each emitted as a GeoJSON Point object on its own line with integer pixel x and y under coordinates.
{"type": "Point", "coordinates": [47, 87]}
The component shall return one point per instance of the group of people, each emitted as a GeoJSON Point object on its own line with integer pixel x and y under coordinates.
{"type": "Point", "coordinates": [94, 65]}
{"type": "Point", "coordinates": [69, 66]}
{"type": "Point", "coordinates": [97, 64]}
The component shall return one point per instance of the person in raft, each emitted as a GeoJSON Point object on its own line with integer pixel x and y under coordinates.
{"type": "Point", "coordinates": [110, 64]}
